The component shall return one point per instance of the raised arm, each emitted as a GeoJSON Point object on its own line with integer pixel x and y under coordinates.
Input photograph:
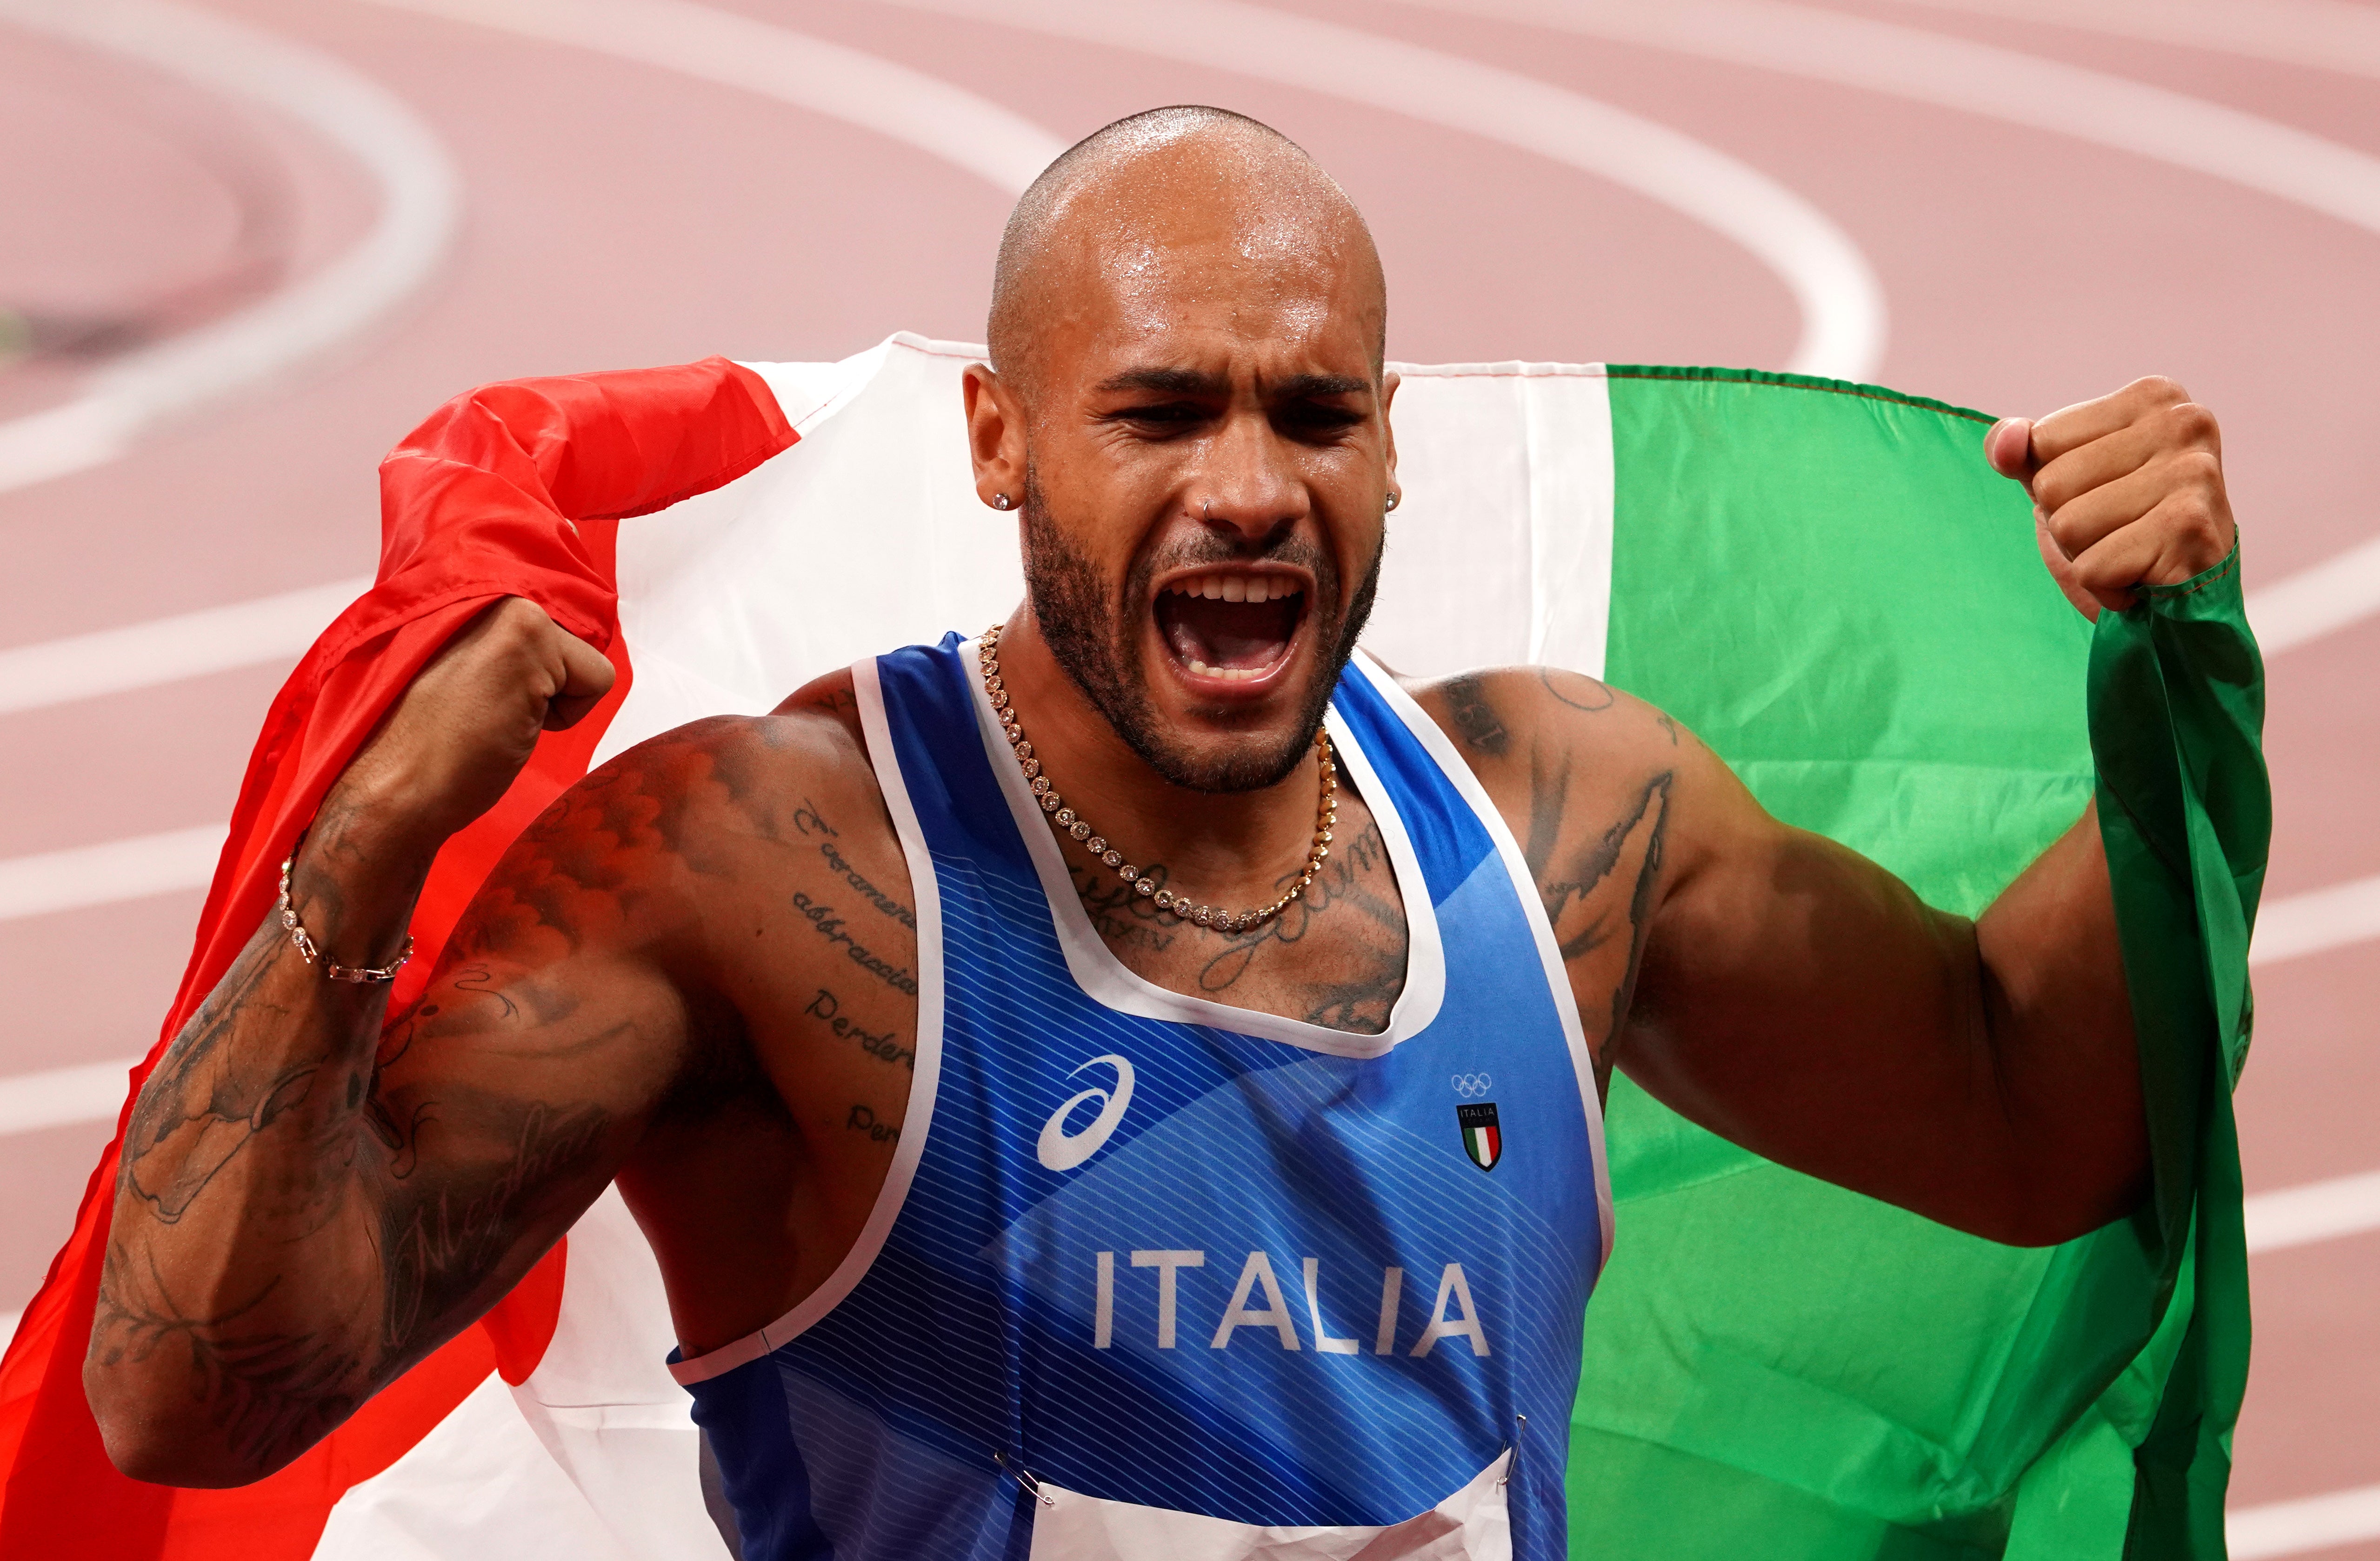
{"type": "Point", "coordinates": [1800, 1000]}
{"type": "Point", "coordinates": [310, 1200]}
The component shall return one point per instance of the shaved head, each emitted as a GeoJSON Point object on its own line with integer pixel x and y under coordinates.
{"type": "Point", "coordinates": [1101, 218]}
{"type": "Point", "coordinates": [1187, 411]}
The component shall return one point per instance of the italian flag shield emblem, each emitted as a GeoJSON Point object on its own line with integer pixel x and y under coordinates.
{"type": "Point", "coordinates": [1483, 1140]}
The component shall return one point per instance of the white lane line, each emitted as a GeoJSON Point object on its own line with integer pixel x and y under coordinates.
{"type": "Point", "coordinates": [1841, 301]}
{"type": "Point", "coordinates": [2131, 116]}
{"type": "Point", "coordinates": [420, 202]}
{"type": "Point", "coordinates": [2293, 1528]}
{"type": "Point", "coordinates": [108, 660]}
{"type": "Point", "coordinates": [736, 51]}
{"type": "Point", "coordinates": [110, 872]}
{"type": "Point", "coordinates": [2312, 602]}
{"type": "Point", "coordinates": [61, 1097]}
{"type": "Point", "coordinates": [2113, 110]}
{"type": "Point", "coordinates": [2319, 1211]}
{"type": "Point", "coordinates": [2317, 920]}
{"type": "Point", "coordinates": [2324, 34]}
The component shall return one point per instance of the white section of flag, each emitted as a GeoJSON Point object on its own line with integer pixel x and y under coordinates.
{"type": "Point", "coordinates": [1500, 551]}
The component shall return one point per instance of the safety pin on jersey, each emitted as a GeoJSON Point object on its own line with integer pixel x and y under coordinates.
{"type": "Point", "coordinates": [1025, 1481]}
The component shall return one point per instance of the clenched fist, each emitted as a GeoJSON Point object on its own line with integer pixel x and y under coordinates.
{"type": "Point", "coordinates": [467, 723]}
{"type": "Point", "coordinates": [2127, 490]}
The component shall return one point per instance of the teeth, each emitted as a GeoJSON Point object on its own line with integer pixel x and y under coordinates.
{"type": "Point", "coordinates": [1228, 674]}
{"type": "Point", "coordinates": [1233, 588]}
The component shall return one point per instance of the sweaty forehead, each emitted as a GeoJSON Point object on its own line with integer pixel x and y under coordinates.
{"type": "Point", "coordinates": [1196, 241]}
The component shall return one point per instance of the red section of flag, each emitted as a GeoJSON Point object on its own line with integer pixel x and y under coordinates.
{"type": "Point", "coordinates": [513, 490]}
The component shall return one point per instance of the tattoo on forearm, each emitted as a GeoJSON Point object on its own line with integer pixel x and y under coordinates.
{"type": "Point", "coordinates": [266, 1390]}
{"type": "Point", "coordinates": [442, 1237]}
{"type": "Point", "coordinates": [397, 1209]}
{"type": "Point", "coordinates": [199, 1109]}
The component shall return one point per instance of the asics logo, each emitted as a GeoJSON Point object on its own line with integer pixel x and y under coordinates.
{"type": "Point", "coordinates": [1471, 1086]}
{"type": "Point", "coordinates": [1061, 1150]}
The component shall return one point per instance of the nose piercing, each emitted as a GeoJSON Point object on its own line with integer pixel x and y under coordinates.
{"type": "Point", "coordinates": [1207, 510]}
{"type": "Point", "coordinates": [1394, 498]}
{"type": "Point", "coordinates": [1002, 501]}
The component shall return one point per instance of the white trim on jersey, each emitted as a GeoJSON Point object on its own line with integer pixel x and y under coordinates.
{"type": "Point", "coordinates": [1458, 773]}
{"type": "Point", "coordinates": [1108, 982]}
{"type": "Point", "coordinates": [923, 1085]}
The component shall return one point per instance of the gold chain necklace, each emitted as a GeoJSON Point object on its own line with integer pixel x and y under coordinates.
{"type": "Point", "coordinates": [1076, 827]}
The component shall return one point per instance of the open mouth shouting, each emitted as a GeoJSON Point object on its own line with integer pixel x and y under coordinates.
{"type": "Point", "coordinates": [1233, 631]}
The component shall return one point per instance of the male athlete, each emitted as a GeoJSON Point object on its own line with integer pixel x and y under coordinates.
{"type": "Point", "coordinates": [1035, 1060]}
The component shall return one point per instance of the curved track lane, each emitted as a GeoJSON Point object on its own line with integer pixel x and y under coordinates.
{"type": "Point", "coordinates": [2008, 204]}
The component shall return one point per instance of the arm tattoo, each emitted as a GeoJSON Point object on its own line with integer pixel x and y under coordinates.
{"type": "Point", "coordinates": [827, 1008]}
{"type": "Point", "coordinates": [265, 1388]}
{"type": "Point", "coordinates": [1466, 701]}
{"type": "Point", "coordinates": [310, 1200]}
{"type": "Point", "coordinates": [874, 895]}
{"type": "Point", "coordinates": [1575, 882]}
{"type": "Point", "coordinates": [863, 1119]}
{"type": "Point", "coordinates": [1598, 893]}
{"type": "Point", "coordinates": [195, 1129]}
{"type": "Point", "coordinates": [1594, 697]}
{"type": "Point", "coordinates": [830, 926]}
{"type": "Point", "coordinates": [442, 1237]}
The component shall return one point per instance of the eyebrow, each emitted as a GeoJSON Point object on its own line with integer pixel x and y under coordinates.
{"type": "Point", "coordinates": [1190, 382]}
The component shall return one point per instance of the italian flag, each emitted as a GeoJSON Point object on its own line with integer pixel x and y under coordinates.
{"type": "Point", "coordinates": [1823, 579]}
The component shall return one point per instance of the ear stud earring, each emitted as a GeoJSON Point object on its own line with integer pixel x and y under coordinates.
{"type": "Point", "coordinates": [1395, 498]}
{"type": "Point", "coordinates": [1002, 501]}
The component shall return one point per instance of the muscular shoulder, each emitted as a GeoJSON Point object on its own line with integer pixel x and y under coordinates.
{"type": "Point", "coordinates": [1593, 784]}
{"type": "Point", "coordinates": [651, 845]}
{"type": "Point", "coordinates": [1524, 729]}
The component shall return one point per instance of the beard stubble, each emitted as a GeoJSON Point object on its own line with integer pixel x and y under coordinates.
{"type": "Point", "coordinates": [1085, 628]}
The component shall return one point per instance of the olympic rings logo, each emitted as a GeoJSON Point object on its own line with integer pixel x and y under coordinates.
{"type": "Point", "coordinates": [1472, 1085]}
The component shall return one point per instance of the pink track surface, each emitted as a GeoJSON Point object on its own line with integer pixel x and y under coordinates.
{"type": "Point", "coordinates": [617, 214]}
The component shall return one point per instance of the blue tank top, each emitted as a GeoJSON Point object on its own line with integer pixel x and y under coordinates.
{"type": "Point", "coordinates": [1156, 1276]}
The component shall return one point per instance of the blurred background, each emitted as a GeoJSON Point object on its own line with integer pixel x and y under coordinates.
{"type": "Point", "coordinates": [245, 247]}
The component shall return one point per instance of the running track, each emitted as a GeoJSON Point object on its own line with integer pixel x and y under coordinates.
{"type": "Point", "coordinates": [249, 245]}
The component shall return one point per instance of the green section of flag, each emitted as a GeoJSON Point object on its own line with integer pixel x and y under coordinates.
{"type": "Point", "coordinates": [1830, 586]}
